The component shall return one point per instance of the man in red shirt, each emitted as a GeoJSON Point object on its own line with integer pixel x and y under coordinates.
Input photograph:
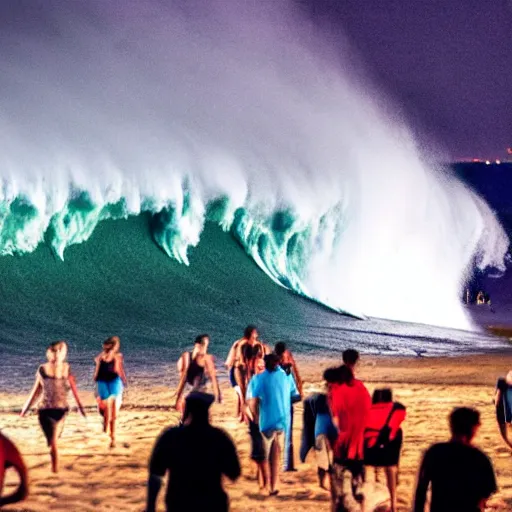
{"type": "Point", "coordinates": [349, 402]}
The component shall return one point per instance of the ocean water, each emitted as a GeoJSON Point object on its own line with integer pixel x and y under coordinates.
{"type": "Point", "coordinates": [172, 169]}
{"type": "Point", "coordinates": [121, 282]}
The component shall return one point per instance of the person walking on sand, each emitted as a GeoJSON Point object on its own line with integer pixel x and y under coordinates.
{"type": "Point", "coordinates": [269, 399]}
{"type": "Point", "coordinates": [349, 403]}
{"type": "Point", "coordinates": [196, 368]}
{"type": "Point", "coordinates": [196, 455]}
{"type": "Point", "coordinates": [503, 404]}
{"type": "Point", "coordinates": [54, 380]}
{"type": "Point", "coordinates": [238, 363]}
{"type": "Point", "coordinates": [383, 438]}
{"type": "Point", "coordinates": [461, 476]}
{"type": "Point", "coordinates": [110, 381]}
{"type": "Point", "coordinates": [288, 364]}
{"type": "Point", "coordinates": [10, 457]}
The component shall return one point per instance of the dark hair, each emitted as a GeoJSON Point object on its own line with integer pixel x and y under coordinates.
{"type": "Point", "coordinates": [198, 404]}
{"type": "Point", "coordinates": [248, 351]}
{"type": "Point", "coordinates": [382, 396]}
{"type": "Point", "coordinates": [200, 339]}
{"type": "Point", "coordinates": [280, 348]}
{"type": "Point", "coordinates": [350, 356]}
{"type": "Point", "coordinates": [463, 420]}
{"type": "Point", "coordinates": [339, 375]}
{"type": "Point", "coordinates": [54, 346]}
{"type": "Point", "coordinates": [248, 331]}
{"type": "Point", "coordinates": [257, 350]}
{"type": "Point", "coordinates": [271, 362]}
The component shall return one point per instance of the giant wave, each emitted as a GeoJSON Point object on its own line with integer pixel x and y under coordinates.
{"type": "Point", "coordinates": [240, 115]}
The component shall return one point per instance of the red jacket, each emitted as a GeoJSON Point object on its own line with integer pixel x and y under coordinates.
{"type": "Point", "coordinates": [349, 404]}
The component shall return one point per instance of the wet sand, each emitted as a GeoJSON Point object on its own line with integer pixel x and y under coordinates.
{"type": "Point", "coordinates": [96, 478]}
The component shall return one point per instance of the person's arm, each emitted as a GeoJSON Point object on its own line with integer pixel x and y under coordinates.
{"type": "Point", "coordinates": [157, 469]}
{"type": "Point", "coordinates": [420, 497]}
{"type": "Point", "coordinates": [295, 371]}
{"type": "Point", "coordinates": [488, 485]}
{"type": "Point", "coordinates": [120, 368]}
{"type": "Point", "coordinates": [154, 486]}
{"type": "Point", "coordinates": [253, 406]}
{"type": "Point", "coordinates": [183, 377]}
{"type": "Point", "coordinates": [230, 360]}
{"type": "Point", "coordinates": [74, 390]}
{"type": "Point", "coordinates": [11, 458]}
{"type": "Point", "coordinates": [295, 396]}
{"type": "Point", "coordinates": [97, 367]}
{"type": "Point", "coordinates": [230, 461]}
{"type": "Point", "coordinates": [34, 394]}
{"type": "Point", "coordinates": [210, 366]}
{"type": "Point", "coordinates": [497, 397]}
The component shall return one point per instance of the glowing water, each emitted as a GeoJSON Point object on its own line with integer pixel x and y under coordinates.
{"type": "Point", "coordinates": [238, 114]}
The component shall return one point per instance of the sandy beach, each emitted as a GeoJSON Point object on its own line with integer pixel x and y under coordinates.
{"type": "Point", "coordinates": [96, 478]}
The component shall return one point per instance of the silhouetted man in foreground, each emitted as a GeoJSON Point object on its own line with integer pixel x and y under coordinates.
{"type": "Point", "coordinates": [461, 475]}
{"type": "Point", "coordinates": [196, 456]}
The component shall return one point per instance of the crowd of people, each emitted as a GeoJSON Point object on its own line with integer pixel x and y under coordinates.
{"type": "Point", "coordinates": [348, 430]}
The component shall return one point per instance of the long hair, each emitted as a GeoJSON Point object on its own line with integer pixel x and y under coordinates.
{"type": "Point", "coordinates": [112, 344]}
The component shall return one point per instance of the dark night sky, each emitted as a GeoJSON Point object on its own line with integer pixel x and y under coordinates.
{"type": "Point", "coordinates": [448, 62]}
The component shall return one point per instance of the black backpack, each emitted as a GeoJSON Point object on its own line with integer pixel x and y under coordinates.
{"type": "Point", "coordinates": [377, 454]}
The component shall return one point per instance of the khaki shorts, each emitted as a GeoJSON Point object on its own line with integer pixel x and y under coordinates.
{"type": "Point", "coordinates": [269, 438]}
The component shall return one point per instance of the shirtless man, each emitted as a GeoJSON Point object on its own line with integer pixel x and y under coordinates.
{"type": "Point", "coordinates": [238, 364]}
{"type": "Point", "coordinates": [10, 457]}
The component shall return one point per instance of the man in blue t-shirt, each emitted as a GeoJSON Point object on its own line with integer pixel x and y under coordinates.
{"type": "Point", "coordinates": [269, 397]}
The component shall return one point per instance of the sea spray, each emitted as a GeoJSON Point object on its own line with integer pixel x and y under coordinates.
{"type": "Point", "coordinates": [235, 112]}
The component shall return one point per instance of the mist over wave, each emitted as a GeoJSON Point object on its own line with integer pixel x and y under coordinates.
{"type": "Point", "coordinates": [240, 114]}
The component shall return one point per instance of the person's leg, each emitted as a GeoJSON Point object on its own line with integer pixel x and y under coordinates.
{"type": "Point", "coordinates": [391, 473]}
{"type": "Point", "coordinates": [275, 457]}
{"type": "Point", "coordinates": [289, 462]}
{"type": "Point", "coordinates": [112, 414]}
{"type": "Point", "coordinates": [322, 459]}
{"type": "Point", "coordinates": [54, 453]}
{"type": "Point", "coordinates": [338, 485]}
{"type": "Point", "coordinates": [263, 474]}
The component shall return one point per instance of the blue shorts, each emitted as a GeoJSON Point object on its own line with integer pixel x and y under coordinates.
{"type": "Point", "coordinates": [111, 388]}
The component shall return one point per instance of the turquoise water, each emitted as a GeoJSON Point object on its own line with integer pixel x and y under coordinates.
{"type": "Point", "coordinates": [121, 282]}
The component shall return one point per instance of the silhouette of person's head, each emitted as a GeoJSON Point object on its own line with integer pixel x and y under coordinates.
{"type": "Point", "coordinates": [271, 362]}
{"type": "Point", "coordinates": [197, 407]}
{"type": "Point", "coordinates": [202, 341]}
{"type": "Point", "coordinates": [350, 358]}
{"type": "Point", "coordinates": [280, 349]}
{"type": "Point", "coordinates": [464, 424]}
{"type": "Point", "coordinates": [382, 396]}
{"type": "Point", "coordinates": [251, 333]}
{"type": "Point", "coordinates": [339, 375]}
